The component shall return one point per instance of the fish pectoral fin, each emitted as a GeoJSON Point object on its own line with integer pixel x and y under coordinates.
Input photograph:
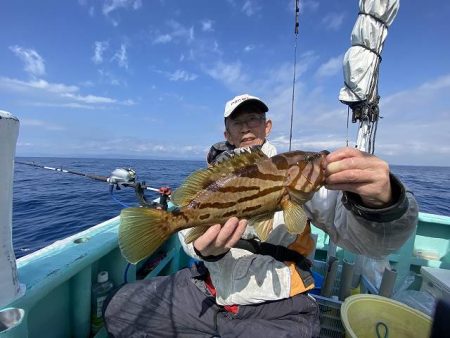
{"type": "Point", "coordinates": [263, 225]}
{"type": "Point", "coordinates": [195, 233]}
{"type": "Point", "coordinates": [141, 232]}
{"type": "Point", "coordinates": [300, 197]}
{"type": "Point", "coordinates": [294, 216]}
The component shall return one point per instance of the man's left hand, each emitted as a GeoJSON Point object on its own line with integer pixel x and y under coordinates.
{"type": "Point", "coordinates": [352, 170]}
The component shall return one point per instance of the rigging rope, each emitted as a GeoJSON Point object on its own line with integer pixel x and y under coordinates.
{"type": "Point", "coordinates": [371, 112]}
{"type": "Point", "coordinates": [297, 12]}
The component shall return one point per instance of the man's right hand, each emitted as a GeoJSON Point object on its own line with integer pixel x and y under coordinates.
{"type": "Point", "coordinates": [218, 239]}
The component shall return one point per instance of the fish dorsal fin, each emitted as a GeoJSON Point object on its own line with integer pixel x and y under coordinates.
{"type": "Point", "coordinates": [263, 225]}
{"type": "Point", "coordinates": [294, 216]}
{"type": "Point", "coordinates": [190, 187]}
{"type": "Point", "coordinates": [241, 156]}
{"type": "Point", "coordinates": [202, 178]}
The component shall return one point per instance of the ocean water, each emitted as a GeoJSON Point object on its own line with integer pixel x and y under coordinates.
{"type": "Point", "coordinates": [50, 205]}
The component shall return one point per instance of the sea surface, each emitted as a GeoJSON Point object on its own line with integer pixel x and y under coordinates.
{"type": "Point", "coordinates": [49, 205]}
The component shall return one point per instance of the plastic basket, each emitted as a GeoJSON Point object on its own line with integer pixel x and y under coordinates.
{"type": "Point", "coordinates": [330, 308]}
{"type": "Point", "coordinates": [372, 315]}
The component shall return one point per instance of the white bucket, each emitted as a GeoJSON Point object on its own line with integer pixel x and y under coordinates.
{"type": "Point", "coordinates": [12, 323]}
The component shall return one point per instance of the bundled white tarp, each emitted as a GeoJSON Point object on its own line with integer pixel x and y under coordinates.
{"type": "Point", "coordinates": [362, 59]}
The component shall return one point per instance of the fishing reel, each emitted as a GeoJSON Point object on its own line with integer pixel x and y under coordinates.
{"type": "Point", "coordinates": [124, 176]}
{"type": "Point", "coordinates": [127, 177]}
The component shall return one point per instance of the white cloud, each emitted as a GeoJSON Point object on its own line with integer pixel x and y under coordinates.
{"type": "Point", "coordinates": [308, 5]}
{"type": "Point", "coordinates": [57, 94]}
{"type": "Point", "coordinates": [99, 48]}
{"type": "Point", "coordinates": [109, 78]}
{"type": "Point", "coordinates": [87, 83]}
{"type": "Point", "coordinates": [207, 25]}
{"type": "Point", "coordinates": [140, 147]}
{"type": "Point", "coordinates": [112, 5]}
{"type": "Point", "coordinates": [250, 7]}
{"type": "Point", "coordinates": [333, 21]}
{"type": "Point", "coordinates": [307, 143]}
{"type": "Point", "coordinates": [249, 48]}
{"type": "Point", "coordinates": [431, 96]}
{"type": "Point", "coordinates": [442, 82]}
{"type": "Point", "coordinates": [34, 63]}
{"type": "Point", "coordinates": [163, 38]}
{"type": "Point", "coordinates": [71, 105]}
{"type": "Point", "coordinates": [228, 73]}
{"type": "Point", "coordinates": [181, 75]}
{"type": "Point", "coordinates": [18, 85]}
{"type": "Point", "coordinates": [41, 124]}
{"type": "Point", "coordinates": [177, 32]}
{"type": "Point", "coordinates": [93, 99]}
{"type": "Point", "coordinates": [89, 98]}
{"type": "Point", "coordinates": [121, 57]}
{"type": "Point", "coordinates": [24, 144]}
{"type": "Point", "coordinates": [414, 129]}
{"type": "Point", "coordinates": [330, 68]}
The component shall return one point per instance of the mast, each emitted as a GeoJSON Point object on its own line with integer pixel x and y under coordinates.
{"type": "Point", "coordinates": [361, 67]}
{"type": "Point", "coordinates": [9, 283]}
{"type": "Point", "coordinates": [361, 73]}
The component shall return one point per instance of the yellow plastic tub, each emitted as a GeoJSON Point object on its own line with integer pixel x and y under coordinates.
{"type": "Point", "coordinates": [362, 315]}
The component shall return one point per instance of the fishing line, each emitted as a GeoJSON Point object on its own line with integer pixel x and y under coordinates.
{"type": "Point", "coordinates": [125, 274]}
{"type": "Point", "coordinates": [297, 12]}
{"type": "Point", "coordinates": [111, 189]}
{"type": "Point", "coordinates": [348, 117]}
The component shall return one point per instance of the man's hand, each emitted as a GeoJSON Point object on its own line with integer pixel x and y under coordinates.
{"type": "Point", "coordinates": [219, 239]}
{"type": "Point", "coordinates": [349, 169]}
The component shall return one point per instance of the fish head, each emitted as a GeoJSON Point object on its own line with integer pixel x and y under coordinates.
{"type": "Point", "coordinates": [306, 173]}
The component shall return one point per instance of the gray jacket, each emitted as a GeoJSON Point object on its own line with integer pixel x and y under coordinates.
{"type": "Point", "coordinates": [241, 277]}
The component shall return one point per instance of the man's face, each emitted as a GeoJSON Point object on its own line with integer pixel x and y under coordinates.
{"type": "Point", "coordinates": [247, 127]}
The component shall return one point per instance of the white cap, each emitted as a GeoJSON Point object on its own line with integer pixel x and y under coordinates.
{"type": "Point", "coordinates": [102, 277]}
{"type": "Point", "coordinates": [231, 105]}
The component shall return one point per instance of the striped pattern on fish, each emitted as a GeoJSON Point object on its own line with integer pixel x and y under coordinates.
{"type": "Point", "coordinates": [248, 185]}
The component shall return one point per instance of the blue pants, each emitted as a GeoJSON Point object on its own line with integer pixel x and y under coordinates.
{"type": "Point", "coordinates": [180, 306]}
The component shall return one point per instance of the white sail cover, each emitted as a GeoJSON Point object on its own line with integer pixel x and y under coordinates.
{"type": "Point", "coordinates": [360, 63]}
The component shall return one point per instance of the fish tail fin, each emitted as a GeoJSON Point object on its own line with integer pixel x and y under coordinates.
{"type": "Point", "coordinates": [141, 232]}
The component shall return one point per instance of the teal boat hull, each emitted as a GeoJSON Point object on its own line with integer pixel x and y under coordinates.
{"type": "Point", "coordinates": [58, 278]}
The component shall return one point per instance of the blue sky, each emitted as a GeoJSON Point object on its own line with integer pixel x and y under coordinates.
{"type": "Point", "coordinates": [149, 79]}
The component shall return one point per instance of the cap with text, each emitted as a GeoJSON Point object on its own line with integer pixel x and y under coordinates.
{"type": "Point", "coordinates": [231, 105]}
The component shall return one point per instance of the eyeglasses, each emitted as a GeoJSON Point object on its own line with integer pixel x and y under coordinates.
{"type": "Point", "coordinates": [252, 121]}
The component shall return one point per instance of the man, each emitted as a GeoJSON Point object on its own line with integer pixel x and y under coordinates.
{"type": "Point", "coordinates": [245, 290]}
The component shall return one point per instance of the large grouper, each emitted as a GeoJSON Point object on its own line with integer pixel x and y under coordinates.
{"type": "Point", "coordinates": [248, 185]}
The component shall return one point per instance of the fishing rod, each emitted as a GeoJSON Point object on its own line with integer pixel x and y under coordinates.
{"type": "Point", "coordinates": [120, 177]}
{"type": "Point", "coordinates": [94, 177]}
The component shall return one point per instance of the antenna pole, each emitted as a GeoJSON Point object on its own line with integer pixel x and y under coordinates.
{"type": "Point", "coordinates": [297, 12]}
